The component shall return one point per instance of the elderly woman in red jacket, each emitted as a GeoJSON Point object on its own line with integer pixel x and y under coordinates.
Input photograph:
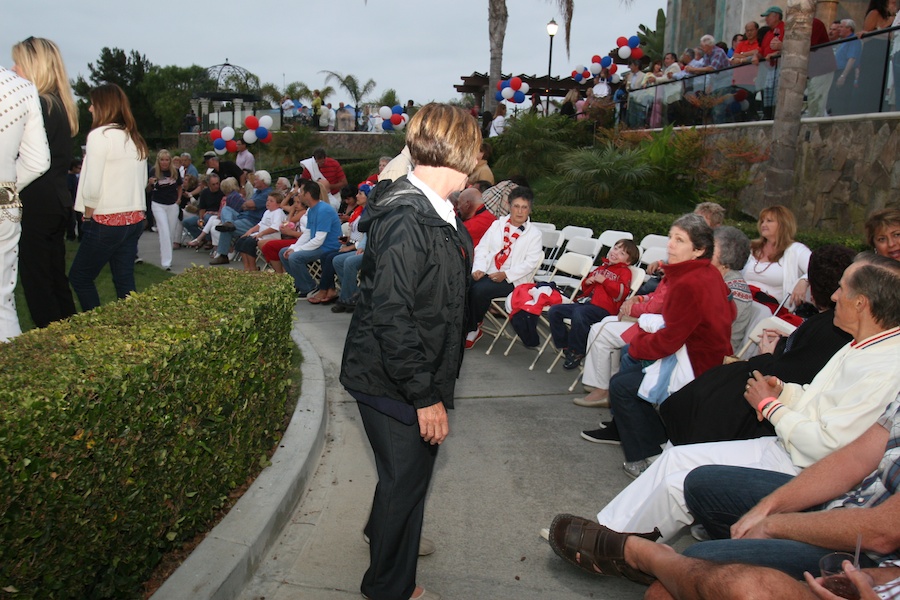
{"type": "Point", "coordinates": [697, 315]}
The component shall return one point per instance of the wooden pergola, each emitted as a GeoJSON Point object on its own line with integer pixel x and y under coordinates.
{"type": "Point", "coordinates": [477, 83]}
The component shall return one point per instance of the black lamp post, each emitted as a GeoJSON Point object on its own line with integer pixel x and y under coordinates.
{"type": "Point", "coordinates": [552, 28]}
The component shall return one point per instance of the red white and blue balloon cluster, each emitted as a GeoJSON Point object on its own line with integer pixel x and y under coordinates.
{"type": "Point", "coordinates": [257, 130]}
{"type": "Point", "coordinates": [512, 89]}
{"type": "Point", "coordinates": [629, 47]}
{"type": "Point", "coordinates": [392, 118]}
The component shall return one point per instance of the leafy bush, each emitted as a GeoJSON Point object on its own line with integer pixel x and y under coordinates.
{"type": "Point", "coordinates": [534, 146]}
{"type": "Point", "coordinates": [123, 429]}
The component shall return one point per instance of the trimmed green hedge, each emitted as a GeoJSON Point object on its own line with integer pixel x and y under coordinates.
{"type": "Point", "coordinates": [641, 223]}
{"type": "Point", "coordinates": [122, 430]}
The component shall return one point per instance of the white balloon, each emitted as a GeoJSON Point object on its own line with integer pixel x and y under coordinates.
{"type": "Point", "coordinates": [595, 68]}
{"type": "Point", "coordinates": [385, 112]}
{"type": "Point", "coordinates": [405, 118]}
{"type": "Point", "coordinates": [265, 121]}
{"type": "Point", "coordinates": [401, 125]}
{"type": "Point", "coordinates": [624, 52]}
{"type": "Point", "coordinates": [507, 93]}
{"type": "Point", "coordinates": [616, 78]}
{"type": "Point", "coordinates": [579, 69]}
{"type": "Point", "coordinates": [745, 104]}
{"type": "Point", "coordinates": [250, 136]}
{"type": "Point", "coordinates": [222, 151]}
{"type": "Point", "coordinates": [227, 133]}
{"type": "Point", "coordinates": [524, 89]}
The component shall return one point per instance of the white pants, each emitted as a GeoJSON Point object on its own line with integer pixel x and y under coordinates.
{"type": "Point", "coordinates": [602, 359]}
{"type": "Point", "coordinates": [166, 217]}
{"type": "Point", "coordinates": [210, 228]}
{"type": "Point", "coordinates": [656, 498]}
{"type": "Point", "coordinates": [9, 264]}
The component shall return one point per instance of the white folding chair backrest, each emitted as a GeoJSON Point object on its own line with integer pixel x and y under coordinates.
{"type": "Point", "coordinates": [609, 237]}
{"type": "Point", "coordinates": [552, 242]}
{"type": "Point", "coordinates": [654, 240]}
{"type": "Point", "coordinates": [544, 226]}
{"type": "Point", "coordinates": [761, 318]}
{"type": "Point", "coordinates": [637, 278]}
{"type": "Point", "coordinates": [570, 270]}
{"type": "Point", "coordinates": [572, 231]}
{"type": "Point", "coordinates": [583, 245]}
{"type": "Point", "coordinates": [654, 254]}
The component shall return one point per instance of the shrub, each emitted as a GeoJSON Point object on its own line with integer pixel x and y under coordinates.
{"type": "Point", "coordinates": [123, 429]}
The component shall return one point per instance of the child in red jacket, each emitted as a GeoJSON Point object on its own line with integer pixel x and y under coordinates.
{"type": "Point", "coordinates": [602, 293]}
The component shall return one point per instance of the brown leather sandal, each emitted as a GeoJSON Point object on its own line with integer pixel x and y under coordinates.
{"type": "Point", "coordinates": [594, 548]}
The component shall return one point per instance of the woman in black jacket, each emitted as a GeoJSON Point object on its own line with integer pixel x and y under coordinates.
{"type": "Point", "coordinates": [404, 347]}
{"type": "Point", "coordinates": [47, 203]}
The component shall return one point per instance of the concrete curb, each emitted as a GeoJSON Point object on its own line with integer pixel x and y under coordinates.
{"type": "Point", "coordinates": [220, 567]}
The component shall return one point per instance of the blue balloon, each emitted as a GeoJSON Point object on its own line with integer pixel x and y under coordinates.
{"type": "Point", "coordinates": [578, 77]}
{"type": "Point", "coordinates": [397, 110]}
{"type": "Point", "coordinates": [605, 62]}
{"type": "Point", "coordinates": [219, 144]}
{"type": "Point", "coordinates": [518, 97]}
{"type": "Point", "coordinates": [499, 96]}
{"type": "Point", "coordinates": [261, 133]}
{"type": "Point", "coordinates": [504, 84]}
{"type": "Point", "coordinates": [387, 125]}
{"type": "Point", "coordinates": [634, 41]}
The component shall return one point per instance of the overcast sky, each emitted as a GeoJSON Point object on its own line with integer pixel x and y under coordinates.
{"type": "Point", "coordinates": [418, 47]}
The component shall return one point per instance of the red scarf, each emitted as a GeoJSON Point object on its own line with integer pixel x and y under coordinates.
{"type": "Point", "coordinates": [508, 240]}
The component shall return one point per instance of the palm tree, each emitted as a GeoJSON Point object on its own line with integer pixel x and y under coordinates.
{"type": "Point", "coordinates": [788, 105]}
{"type": "Point", "coordinates": [497, 17]}
{"type": "Point", "coordinates": [353, 87]}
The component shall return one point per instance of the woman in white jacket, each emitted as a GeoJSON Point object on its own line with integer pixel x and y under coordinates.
{"type": "Point", "coordinates": [778, 264]}
{"type": "Point", "coordinates": [507, 255]}
{"type": "Point", "coordinates": [111, 196]}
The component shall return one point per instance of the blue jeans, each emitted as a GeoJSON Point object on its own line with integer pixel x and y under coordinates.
{"type": "Point", "coordinates": [640, 428]}
{"type": "Point", "coordinates": [718, 496]}
{"type": "Point", "coordinates": [326, 281]}
{"type": "Point", "coordinates": [582, 316]}
{"type": "Point", "coordinates": [297, 265]}
{"type": "Point", "coordinates": [347, 265]}
{"type": "Point", "coordinates": [189, 222]}
{"type": "Point", "coordinates": [102, 244]}
{"type": "Point", "coordinates": [242, 225]}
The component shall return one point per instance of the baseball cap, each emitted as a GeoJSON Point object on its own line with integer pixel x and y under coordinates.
{"type": "Point", "coordinates": [208, 155]}
{"type": "Point", "coordinates": [772, 9]}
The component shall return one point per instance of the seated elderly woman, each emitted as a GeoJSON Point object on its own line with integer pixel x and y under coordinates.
{"type": "Point", "coordinates": [777, 263]}
{"type": "Point", "coordinates": [712, 407]}
{"type": "Point", "coordinates": [507, 255]}
{"type": "Point", "coordinates": [697, 317]}
{"type": "Point", "coordinates": [231, 191]}
{"type": "Point", "coordinates": [602, 293]}
{"type": "Point", "coordinates": [731, 250]}
{"type": "Point", "coordinates": [883, 232]}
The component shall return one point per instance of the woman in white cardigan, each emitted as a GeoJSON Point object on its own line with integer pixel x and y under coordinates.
{"type": "Point", "coordinates": [111, 196]}
{"type": "Point", "coordinates": [507, 255]}
{"type": "Point", "coordinates": [778, 264]}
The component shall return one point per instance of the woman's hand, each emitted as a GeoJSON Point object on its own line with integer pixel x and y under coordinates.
{"type": "Point", "coordinates": [798, 296]}
{"type": "Point", "coordinates": [768, 341]}
{"type": "Point", "coordinates": [498, 276]}
{"type": "Point", "coordinates": [476, 275]}
{"type": "Point", "coordinates": [625, 309]}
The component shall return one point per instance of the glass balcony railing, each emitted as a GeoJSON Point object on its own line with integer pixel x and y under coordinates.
{"type": "Point", "coordinates": [846, 77]}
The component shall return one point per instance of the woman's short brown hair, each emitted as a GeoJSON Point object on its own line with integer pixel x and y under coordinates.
{"type": "Point", "coordinates": [440, 135]}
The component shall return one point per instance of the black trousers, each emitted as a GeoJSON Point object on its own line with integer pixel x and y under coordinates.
{"type": "Point", "coordinates": [481, 293]}
{"type": "Point", "coordinates": [42, 267]}
{"type": "Point", "coordinates": [404, 463]}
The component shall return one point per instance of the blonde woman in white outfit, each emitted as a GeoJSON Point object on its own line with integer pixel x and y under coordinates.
{"type": "Point", "coordinates": [778, 264]}
{"type": "Point", "coordinates": [24, 156]}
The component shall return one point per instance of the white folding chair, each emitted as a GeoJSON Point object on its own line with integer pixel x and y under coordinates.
{"type": "Point", "coordinates": [654, 240]}
{"type": "Point", "coordinates": [552, 242]}
{"type": "Point", "coordinates": [760, 319]}
{"type": "Point", "coordinates": [609, 237]}
{"type": "Point", "coordinates": [573, 231]}
{"type": "Point", "coordinates": [587, 246]}
{"type": "Point", "coordinates": [544, 226]}
{"type": "Point", "coordinates": [568, 274]}
{"type": "Point", "coordinates": [653, 254]}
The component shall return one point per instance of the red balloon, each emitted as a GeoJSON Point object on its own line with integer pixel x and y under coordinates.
{"type": "Point", "coordinates": [586, 74]}
{"type": "Point", "coordinates": [251, 122]}
{"type": "Point", "coordinates": [499, 85]}
{"type": "Point", "coordinates": [613, 68]}
{"type": "Point", "coordinates": [267, 139]}
{"type": "Point", "coordinates": [596, 58]}
{"type": "Point", "coordinates": [574, 73]}
{"type": "Point", "coordinates": [214, 135]}
{"type": "Point", "coordinates": [622, 41]}
{"type": "Point", "coordinates": [396, 119]}
{"type": "Point", "coordinates": [231, 145]}
{"type": "Point", "coordinates": [637, 53]}
{"type": "Point", "coordinates": [515, 83]}
{"type": "Point", "coordinates": [740, 95]}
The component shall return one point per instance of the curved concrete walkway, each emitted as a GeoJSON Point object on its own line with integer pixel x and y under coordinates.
{"type": "Point", "coordinates": [513, 460]}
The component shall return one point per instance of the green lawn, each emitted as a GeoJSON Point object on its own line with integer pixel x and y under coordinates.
{"type": "Point", "coordinates": [145, 275]}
